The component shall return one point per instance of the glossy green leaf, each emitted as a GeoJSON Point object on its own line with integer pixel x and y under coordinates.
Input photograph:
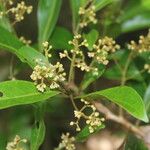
{"type": "Point", "coordinates": [84, 134]}
{"type": "Point", "coordinates": [90, 77]}
{"type": "Point", "coordinates": [9, 42]}
{"type": "Point", "coordinates": [91, 38]}
{"type": "Point", "coordinates": [29, 55]}
{"type": "Point", "coordinates": [133, 23]}
{"type": "Point", "coordinates": [60, 38]}
{"type": "Point", "coordinates": [99, 4]}
{"type": "Point", "coordinates": [125, 97]}
{"type": "Point", "coordinates": [37, 135]}
{"type": "Point", "coordinates": [15, 93]}
{"type": "Point", "coordinates": [48, 12]}
{"type": "Point", "coordinates": [25, 53]}
{"type": "Point", "coordinates": [147, 100]}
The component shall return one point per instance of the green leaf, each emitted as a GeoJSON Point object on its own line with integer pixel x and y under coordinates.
{"type": "Point", "coordinates": [9, 42]}
{"type": "Point", "coordinates": [37, 135]}
{"type": "Point", "coordinates": [25, 53]}
{"type": "Point", "coordinates": [29, 55]}
{"type": "Point", "coordinates": [99, 4]}
{"type": "Point", "coordinates": [21, 93]}
{"type": "Point", "coordinates": [48, 12]}
{"type": "Point", "coordinates": [90, 77]}
{"type": "Point", "coordinates": [91, 38]}
{"type": "Point", "coordinates": [75, 4]}
{"type": "Point", "coordinates": [133, 23]}
{"type": "Point", "coordinates": [133, 143]}
{"type": "Point", "coordinates": [84, 134]}
{"type": "Point", "coordinates": [4, 21]}
{"type": "Point", "coordinates": [60, 38]}
{"type": "Point", "coordinates": [125, 97]}
{"type": "Point", "coordinates": [147, 100]}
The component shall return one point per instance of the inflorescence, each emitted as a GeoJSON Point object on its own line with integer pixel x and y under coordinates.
{"type": "Point", "coordinates": [93, 119]}
{"type": "Point", "coordinates": [47, 75]}
{"type": "Point", "coordinates": [143, 44]}
{"type": "Point", "coordinates": [16, 144]}
{"type": "Point", "coordinates": [99, 53]}
{"type": "Point", "coordinates": [67, 142]}
{"type": "Point", "coordinates": [87, 15]}
{"type": "Point", "coordinates": [17, 11]}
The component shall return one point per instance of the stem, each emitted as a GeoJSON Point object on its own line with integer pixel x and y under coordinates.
{"type": "Point", "coordinates": [73, 103]}
{"type": "Point", "coordinates": [123, 79]}
{"type": "Point", "coordinates": [111, 116]}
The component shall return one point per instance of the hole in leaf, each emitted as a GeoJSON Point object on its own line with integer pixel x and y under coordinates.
{"type": "Point", "coordinates": [37, 124]}
{"type": "Point", "coordinates": [1, 94]}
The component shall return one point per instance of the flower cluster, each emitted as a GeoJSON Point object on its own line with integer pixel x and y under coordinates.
{"type": "Point", "coordinates": [92, 120]}
{"type": "Point", "coordinates": [147, 67]}
{"type": "Point", "coordinates": [25, 41]}
{"type": "Point", "coordinates": [19, 11]}
{"type": "Point", "coordinates": [143, 44]}
{"type": "Point", "coordinates": [47, 75]}
{"type": "Point", "coordinates": [102, 49]}
{"type": "Point", "coordinates": [99, 53]}
{"type": "Point", "coordinates": [87, 15]}
{"type": "Point", "coordinates": [67, 142]}
{"type": "Point", "coordinates": [46, 49]}
{"type": "Point", "coordinates": [15, 144]}
{"type": "Point", "coordinates": [77, 54]}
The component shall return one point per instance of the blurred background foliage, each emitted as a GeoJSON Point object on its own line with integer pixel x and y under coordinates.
{"type": "Point", "coordinates": [123, 20]}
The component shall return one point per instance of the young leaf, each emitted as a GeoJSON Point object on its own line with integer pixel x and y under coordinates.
{"type": "Point", "coordinates": [84, 134]}
{"type": "Point", "coordinates": [91, 38]}
{"type": "Point", "coordinates": [125, 97]}
{"type": "Point", "coordinates": [48, 12]}
{"type": "Point", "coordinates": [60, 38]}
{"type": "Point", "coordinates": [37, 135]}
{"type": "Point", "coordinates": [15, 93]}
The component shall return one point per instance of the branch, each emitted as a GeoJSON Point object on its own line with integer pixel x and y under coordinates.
{"type": "Point", "coordinates": [111, 116]}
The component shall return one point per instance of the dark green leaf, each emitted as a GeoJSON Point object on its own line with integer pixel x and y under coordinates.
{"type": "Point", "coordinates": [48, 12]}
{"type": "Point", "coordinates": [91, 38]}
{"type": "Point", "coordinates": [37, 135]}
{"type": "Point", "coordinates": [23, 93]}
{"type": "Point", "coordinates": [125, 97]}
{"type": "Point", "coordinates": [84, 134]}
{"type": "Point", "coordinates": [102, 3]}
{"type": "Point", "coordinates": [133, 143]}
{"type": "Point", "coordinates": [90, 77]}
{"type": "Point", "coordinates": [60, 38]}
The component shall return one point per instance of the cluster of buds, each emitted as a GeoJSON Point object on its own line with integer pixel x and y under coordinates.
{"type": "Point", "coordinates": [143, 44]}
{"type": "Point", "coordinates": [47, 75]}
{"type": "Point", "coordinates": [19, 11]}
{"type": "Point", "coordinates": [15, 144]}
{"type": "Point", "coordinates": [76, 53]}
{"type": "Point", "coordinates": [67, 142]}
{"type": "Point", "coordinates": [87, 15]}
{"type": "Point", "coordinates": [46, 49]}
{"type": "Point", "coordinates": [102, 49]}
{"type": "Point", "coordinates": [92, 120]}
{"type": "Point", "coordinates": [147, 67]}
{"type": "Point", "coordinates": [25, 41]}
